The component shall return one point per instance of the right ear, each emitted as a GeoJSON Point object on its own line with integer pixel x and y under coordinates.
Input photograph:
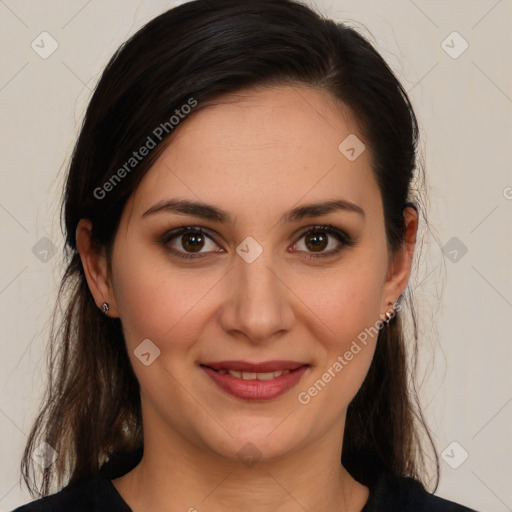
{"type": "Point", "coordinates": [95, 268]}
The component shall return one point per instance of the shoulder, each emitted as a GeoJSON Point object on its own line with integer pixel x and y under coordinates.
{"type": "Point", "coordinates": [90, 495]}
{"type": "Point", "coordinates": [93, 494]}
{"type": "Point", "coordinates": [405, 494]}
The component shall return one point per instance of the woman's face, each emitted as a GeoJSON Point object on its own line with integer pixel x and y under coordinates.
{"type": "Point", "coordinates": [249, 288]}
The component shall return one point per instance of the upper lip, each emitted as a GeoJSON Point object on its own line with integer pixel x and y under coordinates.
{"type": "Point", "coordinates": [245, 366]}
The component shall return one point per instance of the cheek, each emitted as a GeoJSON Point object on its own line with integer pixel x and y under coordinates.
{"type": "Point", "coordinates": [346, 306]}
{"type": "Point", "coordinates": [345, 301]}
{"type": "Point", "coordinates": [157, 302]}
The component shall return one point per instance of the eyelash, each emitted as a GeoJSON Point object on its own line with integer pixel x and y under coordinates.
{"type": "Point", "coordinates": [342, 237]}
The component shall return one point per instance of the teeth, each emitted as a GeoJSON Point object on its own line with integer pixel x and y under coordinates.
{"type": "Point", "coordinates": [265, 376]}
{"type": "Point", "coordinates": [254, 376]}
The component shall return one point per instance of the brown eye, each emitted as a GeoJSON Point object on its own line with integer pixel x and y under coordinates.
{"type": "Point", "coordinates": [316, 241]}
{"type": "Point", "coordinates": [192, 241]}
{"type": "Point", "coordinates": [318, 238]}
{"type": "Point", "coordinates": [189, 242]}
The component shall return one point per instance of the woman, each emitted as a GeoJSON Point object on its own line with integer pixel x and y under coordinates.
{"type": "Point", "coordinates": [241, 227]}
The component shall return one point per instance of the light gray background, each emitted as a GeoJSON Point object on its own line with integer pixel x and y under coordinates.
{"type": "Point", "coordinates": [464, 106]}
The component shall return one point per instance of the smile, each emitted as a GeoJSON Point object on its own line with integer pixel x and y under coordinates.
{"type": "Point", "coordinates": [242, 380]}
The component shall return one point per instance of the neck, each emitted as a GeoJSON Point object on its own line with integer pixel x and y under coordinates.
{"type": "Point", "coordinates": [180, 476]}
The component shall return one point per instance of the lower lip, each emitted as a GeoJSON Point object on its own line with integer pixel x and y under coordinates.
{"type": "Point", "coordinates": [256, 389]}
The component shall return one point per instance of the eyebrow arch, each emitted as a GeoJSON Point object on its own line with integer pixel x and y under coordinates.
{"type": "Point", "coordinates": [210, 212]}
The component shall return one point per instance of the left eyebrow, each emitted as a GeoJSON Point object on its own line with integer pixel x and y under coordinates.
{"type": "Point", "coordinates": [319, 209]}
{"type": "Point", "coordinates": [210, 212]}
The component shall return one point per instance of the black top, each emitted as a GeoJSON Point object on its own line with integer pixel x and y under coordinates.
{"type": "Point", "coordinates": [96, 494]}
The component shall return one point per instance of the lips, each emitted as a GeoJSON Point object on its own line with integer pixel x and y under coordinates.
{"type": "Point", "coordinates": [255, 381]}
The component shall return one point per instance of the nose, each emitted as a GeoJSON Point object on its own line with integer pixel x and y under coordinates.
{"type": "Point", "coordinates": [258, 305]}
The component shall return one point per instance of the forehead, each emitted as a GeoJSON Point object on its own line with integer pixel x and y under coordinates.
{"type": "Point", "coordinates": [268, 147]}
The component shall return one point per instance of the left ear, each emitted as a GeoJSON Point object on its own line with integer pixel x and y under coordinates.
{"type": "Point", "coordinates": [399, 268]}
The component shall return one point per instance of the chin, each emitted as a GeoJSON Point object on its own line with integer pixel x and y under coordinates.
{"type": "Point", "coordinates": [256, 439]}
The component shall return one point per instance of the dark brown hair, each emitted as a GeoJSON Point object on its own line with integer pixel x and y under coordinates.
{"type": "Point", "coordinates": [202, 50]}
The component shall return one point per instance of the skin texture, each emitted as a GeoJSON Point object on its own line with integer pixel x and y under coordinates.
{"type": "Point", "coordinates": [256, 155]}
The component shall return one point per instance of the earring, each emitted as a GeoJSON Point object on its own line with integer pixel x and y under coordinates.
{"type": "Point", "coordinates": [389, 315]}
{"type": "Point", "coordinates": [105, 308]}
